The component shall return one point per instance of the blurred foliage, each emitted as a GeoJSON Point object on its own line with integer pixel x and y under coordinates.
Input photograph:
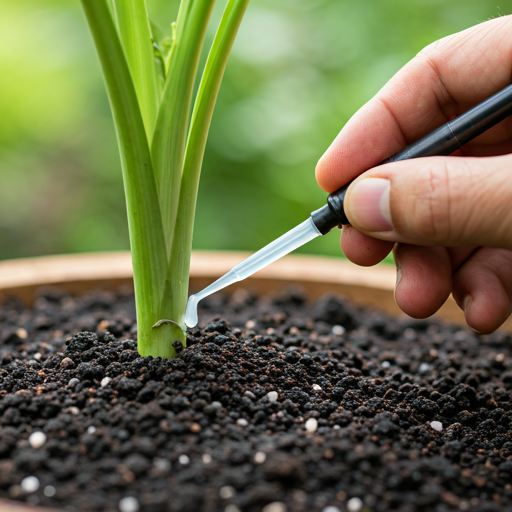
{"type": "Point", "coordinates": [299, 70]}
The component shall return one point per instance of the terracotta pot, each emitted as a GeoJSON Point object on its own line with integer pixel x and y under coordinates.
{"type": "Point", "coordinates": [317, 275]}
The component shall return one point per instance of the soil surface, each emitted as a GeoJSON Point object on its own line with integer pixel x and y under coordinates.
{"type": "Point", "coordinates": [281, 406]}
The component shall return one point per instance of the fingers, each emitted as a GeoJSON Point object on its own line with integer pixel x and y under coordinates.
{"type": "Point", "coordinates": [459, 255]}
{"type": "Point", "coordinates": [490, 149]}
{"type": "Point", "coordinates": [362, 249]}
{"type": "Point", "coordinates": [482, 286]}
{"type": "Point", "coordinates": [437, 201]}
{"type": "Point", "coordinates": [445, 79]}
{"type": "Point", "coordinates": [483, 289]}
{"type": "Point", "coordinates": [433, 202]}
{"type": "Point", "coordinates": [424, 279]}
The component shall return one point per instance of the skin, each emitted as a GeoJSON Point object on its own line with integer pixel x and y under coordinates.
{"type": "Point", "coordinates": [451, 216]}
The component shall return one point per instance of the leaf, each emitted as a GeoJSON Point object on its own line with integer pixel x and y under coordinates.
{"type": "Point", "coordinates": [157, 32]}
{"type": "Point", "coordinates": [163, 45]}
{"type": "Point", "coordinates": [144, 217]}
{"type": "Point", "coordinates": [134, 29]}
{"type": "Point", "coordinates": [171, 129]}
{"type": "Point", "coordinates": [196, 142]}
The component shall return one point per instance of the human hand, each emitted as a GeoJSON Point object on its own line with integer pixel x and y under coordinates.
{"type": "Point", "coordinates": [451, 216]}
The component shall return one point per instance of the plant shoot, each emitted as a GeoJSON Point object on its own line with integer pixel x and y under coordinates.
{"type": "Point", "coordinates": [161, 130]}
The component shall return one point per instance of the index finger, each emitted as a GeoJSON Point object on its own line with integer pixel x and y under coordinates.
{"type": "Point", "coordinates": [444, 80]}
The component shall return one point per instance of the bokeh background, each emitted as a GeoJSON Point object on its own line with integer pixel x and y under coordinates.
{"type": "Point", "coordinates": [298, 71]}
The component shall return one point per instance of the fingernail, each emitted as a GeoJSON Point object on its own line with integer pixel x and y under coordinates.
{"type": "Point", "coordinates": [369, 204]}
{"type": "Point", "coordinates": [466, 303]}
{"type": "Point", "coordinates": [398, 274]}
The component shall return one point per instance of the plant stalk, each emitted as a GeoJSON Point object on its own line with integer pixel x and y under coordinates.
{"type": "Point", "coordinates": [196, 144]}
{"type": "Point", "coordinates": [161, 147]}
{"type": "Point", "coordinates": [170, 135]}
{"type": "Point", "coordinates": [147, 240]}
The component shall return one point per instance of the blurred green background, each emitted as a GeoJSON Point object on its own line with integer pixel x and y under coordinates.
{"type": "Point", "coordinates": [298, 71]}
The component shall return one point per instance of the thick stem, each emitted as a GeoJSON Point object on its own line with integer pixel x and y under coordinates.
{"type": "Point", "coordinates": [159, 181]}
{"type": "Point", "coordinates": [170, 135]}
{"type": "Point", "coordinates": [144, 221]}
{"type": "Point", "coordinates": [200, 124]}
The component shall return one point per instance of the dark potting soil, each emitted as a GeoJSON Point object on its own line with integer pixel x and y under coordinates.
{"type": "Point", "coordinates": [282, 406]}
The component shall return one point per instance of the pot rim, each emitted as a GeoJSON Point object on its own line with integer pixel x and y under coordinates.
{"type": "Point", "coordinates": [370, 286]}
{"type": "Point", "coordinates": [59, 269]}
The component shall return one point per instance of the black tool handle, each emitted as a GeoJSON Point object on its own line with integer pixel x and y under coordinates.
{"type": "Point", "coordinates": [441, 142]}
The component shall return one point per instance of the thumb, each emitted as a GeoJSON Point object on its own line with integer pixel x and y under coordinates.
{"type": "Point", "coordinates": [446, 201]}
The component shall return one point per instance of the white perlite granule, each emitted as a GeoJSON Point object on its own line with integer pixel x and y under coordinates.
{"type": "Point", "coordinates": [241, 422]}
{"type": "Point", "coordinates": [354, 505]}
{"type": "Point", "coordinates": [311, 425]}
{"type": "Point", "coordinates": [409, 334]}
{"type": "Point", "coordinates": [207, 458]}
{"type": "Point", "coordinates": [385, 364]}
{"type": "Point", "coordinates": [22, 333]}
{"type": "Point", "coordinates": [184, 460]}
{"type": "Point", "coordinates": [275, 506]}
{"type": "Point", "coordinates": [338, 330]}
{"type": "Point", "coordinates": [260, 457]}
{"type": "Point", "coordinates": [162, 465]}
{"type": "Point", "coordinates": [424, 368]}
{"type": "Point", "coordinates": [227, 492]}
{"type": "Point", "coordinates": [437, 425]}
{"type": "Point", "coordinates": [37, 439]}
{"type": "Point", "coordinates": [105, 381]}
{"type": "Point", "coordinates": [49, 491]}
{"type": "Point", "coordinates": [91, 429]}
{"type": "Point", "coordinates": [30, 484]}
{"type": "Point", "coordinates": [129, 504]}
{"type": "Point", "coordinates": [316, 387]}
{"type": "Point", "coordinates": [272, 396]}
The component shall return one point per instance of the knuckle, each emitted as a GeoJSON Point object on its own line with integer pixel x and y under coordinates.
{"type": "Point", "coordinates": [438, 47]}
{"type": "Point", "coordinates": [429, 49]}
{"type": "Point", "coordinates": [432, 203]}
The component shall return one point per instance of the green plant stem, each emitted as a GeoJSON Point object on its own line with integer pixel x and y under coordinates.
{"type": "Point", "coordinates": [161, 167]}
{"type": "Point", "coordinates": [196, 143]}
{"type": "Point", "coordinates": [168, 149]}
{"type": "Point", "coordinates": [147, 240]}
{"type": "Point", "coordinates": [170, 134]}
{"type": "Point", "coordinates": [133, 24]}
